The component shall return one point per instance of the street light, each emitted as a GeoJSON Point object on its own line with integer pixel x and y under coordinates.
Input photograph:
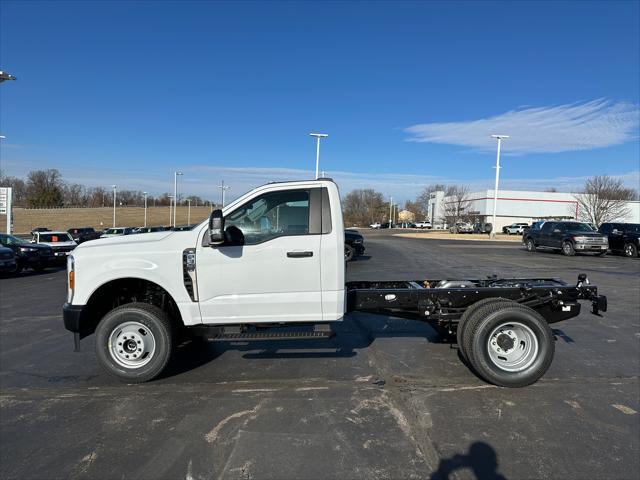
{"type": "Point", "coordinates": [115, 187]}
{"type": "Point", "coordinates": [495, 190]}
{"type": "Point", "coordinates": [189, 212]}
{"type": "Point", "coordinates": [6, 76]}
{"type": "Point", "coordinates": [224, 188]}
{"type": "Point", "coordinates": [318, 137]}
{"type": "Point", "coordinates": [170, 202]}
{"type": "Point", "coordinates": [390, 210]}
{"type": "Point", "coordinates": [145, 208]}
{"type": "Point", "coordinates": [175, 195]}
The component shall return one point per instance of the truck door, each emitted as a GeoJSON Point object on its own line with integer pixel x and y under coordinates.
{"type": "Point", "coordinates": [271, 273]}
{"type": "Point", "coordinates": [546, 233]}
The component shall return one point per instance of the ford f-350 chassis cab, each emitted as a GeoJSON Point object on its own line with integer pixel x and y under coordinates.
{"type": "Point", "coordinates": [271, 265]}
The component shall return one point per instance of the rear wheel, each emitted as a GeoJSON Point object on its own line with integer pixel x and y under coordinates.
{"type": "Point", "coordinates": [568, 250]}
{"type": "Point", "coordinates": [630, 250]}
{"type": "Point", "coordinates": [134, 342]}
{"type": "Point", "coordinates": [510, 345]}
{"type": "Point", "coordinates": [349, 253]}
{"type": "Point", "coordinates": [465, 320]}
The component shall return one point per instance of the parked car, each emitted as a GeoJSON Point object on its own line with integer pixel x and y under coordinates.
{"type": "Point", "coordinates": [623, 237]}
{"type": "Point", "coordinates": [482, 227]}
{"type": "Point", "coordinates": [182, 228]}
{"type": "Point", "coordinates": [423, 224]}
{"type": "Point", "coordinates": [386, 225]}
{"type": "Point", "coordinates": [149, 229]}
{"type": "Point", "coordinates": [7, 260]}
{"type": "Point", "coordinates": [28, 255]}
{"type": "Point", "coordinates": [515, 228]}
{"type": "Point", "coordinates": [116, 232]}
{"type": "Point", "coordinates": [353, 244]}
{"type": "Point", "coordinates": [61, 242]}
{"type": "Point", "coordinates": [83, 234]}
{"type": "Point", "coordinates": [39, 229]}
{"type": "Point", "coordinates": [461, 227]}
{"type": "Point", "coordinates": [567, 237]}
{"type": "Point", "coordinates": [375, 225]}
{"type": "Point", "coordinates": [405, 225]}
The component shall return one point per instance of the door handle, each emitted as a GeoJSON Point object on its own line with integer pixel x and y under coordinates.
{"type": "Point", "coordinates": [299, 254]}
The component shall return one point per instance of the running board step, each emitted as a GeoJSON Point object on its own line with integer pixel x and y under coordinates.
{"type": "Point", "coordinates": [260, 336]}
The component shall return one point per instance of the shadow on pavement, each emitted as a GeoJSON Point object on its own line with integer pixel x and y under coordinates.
{"type": "Point", "coordinates": [482, 460]}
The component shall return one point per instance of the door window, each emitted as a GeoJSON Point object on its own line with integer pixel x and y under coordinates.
{"type": "Point", "coordinates": [272, 215]}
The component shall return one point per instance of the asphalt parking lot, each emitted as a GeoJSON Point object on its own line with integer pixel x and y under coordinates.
{"type": "Point", "coordinates": [384, 398]}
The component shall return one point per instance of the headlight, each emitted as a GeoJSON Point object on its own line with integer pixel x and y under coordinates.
{"type": "Point", "coordinates": [580, 239]}
{"type": "Point", "coordinates": [27, 249]}
{"type": "Point", "coordinates": [71, 278]}
{"type": "Point", "coordinates": [605, 240]}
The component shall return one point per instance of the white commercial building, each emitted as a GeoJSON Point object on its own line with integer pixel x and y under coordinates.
{"type": "Point", "coordinates": [518, 206]}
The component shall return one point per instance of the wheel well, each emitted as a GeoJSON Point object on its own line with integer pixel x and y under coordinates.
{"type": "Point", "coordinates": [126, 290]}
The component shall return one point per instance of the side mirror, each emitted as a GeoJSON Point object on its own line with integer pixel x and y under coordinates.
{"type": "Point", "coordinates": [216, 227]}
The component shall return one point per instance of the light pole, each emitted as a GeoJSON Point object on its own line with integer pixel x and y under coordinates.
{"type": "Point", "coordinates": [115, 187]}
{"type": "Point", "coordinates": [495, 190]}
{"type": "Point", "coordinates": [390, 210]}
{"type": "Point", "coordinates": [189, 212]}
{"type": "Point", "coordinates": [175, 195]}
{"type": "Point", "coordinates": [318, 137]}
{"type": "Point", "coordinates": [145, 208]}
{"type": "Point", "coordinates": [224, 188]}
{"type": "Point", "coordinates": [170, 203]}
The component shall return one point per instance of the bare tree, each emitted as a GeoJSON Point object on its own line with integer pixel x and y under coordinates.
{"type": "Point", "coordinates": [604, 199]}
{"type": "Point", "coordinates": [423, 198]}
{"type": "Point", "coordinates": [19, 192]}
{"type": "Point", "coordinates": [363, 207]}
{"type": "Point", "coordinates": [456, 203]}
{"type": "Point", "coordinates": [44, 188]}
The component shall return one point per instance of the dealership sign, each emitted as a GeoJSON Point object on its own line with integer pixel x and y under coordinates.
{"type": "Point", "coordinates": [5, 205]}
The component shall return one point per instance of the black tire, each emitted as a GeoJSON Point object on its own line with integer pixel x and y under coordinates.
{"type": "Point", "coordinates": [16, 270]}
{"type": "Point", "coordinates": [630, 250]}
{"type": "Point", "coordinates": [567, 249]}
{"type": "Point", "coordinates": [349, 253]}
{"type": "Point", "coordinates": [530, 245]}
{"type": "Point", "coordinates": [467, 315]}
{"type": "Point", "coordinates": [490, 318]}
{"type": "Point", "coordinates": [156, 321]}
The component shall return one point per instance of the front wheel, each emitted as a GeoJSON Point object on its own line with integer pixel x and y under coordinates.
{"type": "Point", "coordinates": [510, 345]}
{"type": "Point", "coordinates": [568, 250]}
{"type": "Point", "coordinates": [134, 342]}
{"type": "Point", "coordinates": [530, 245]}
{"type": "Point", "coordinates": [630, 250]}
{"type": "Point", "coordinates": [349, 253]}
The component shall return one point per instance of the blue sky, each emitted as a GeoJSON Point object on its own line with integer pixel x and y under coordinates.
{"type": "Point", "coordinates": [126, 92]}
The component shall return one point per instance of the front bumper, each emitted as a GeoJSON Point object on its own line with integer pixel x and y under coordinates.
{"type": "Point", "coordinates": [590, 247]}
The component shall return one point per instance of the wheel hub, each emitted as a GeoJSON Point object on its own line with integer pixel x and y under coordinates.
{"type": "Point", "coordinates": [512, 347]}
{"type": "Point", "coordinates": [131, 345]}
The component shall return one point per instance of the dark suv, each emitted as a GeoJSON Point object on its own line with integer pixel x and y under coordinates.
{"type": "Point", "coordinates": [83, 234]}
{"type": "Point", "coordinates": [353, 244]}
{"type": "Point", "coordinates": [31, 255]}
{"type": "Point", "coordinates": [623, 237]}
{"type": "Point", "coordinates": [568, 237]}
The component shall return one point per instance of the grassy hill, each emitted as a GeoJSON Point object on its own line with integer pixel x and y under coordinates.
{"type": "Point", "coordinates": [25, 219]}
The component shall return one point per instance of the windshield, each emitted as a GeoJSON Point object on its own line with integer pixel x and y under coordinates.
{"type": "Point", "coordinates": [55, 237]}
{"type": "Point", "coordinates": [11, 240]}
{"type": "Point", "coordinates": [579, 227]}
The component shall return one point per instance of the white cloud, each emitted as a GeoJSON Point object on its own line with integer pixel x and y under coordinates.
{"type": "Point", "coordinates": [561, 128]}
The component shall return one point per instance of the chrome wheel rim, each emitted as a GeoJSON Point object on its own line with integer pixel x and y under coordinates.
{"type": "Point", "coordinates": [629, 251]}
{"type": "Point", "coordinates": [512, 347]}
{"type": "Point", "coordinates": [567, 248]}
{"type": "Point", "coordinates": [132, 345]}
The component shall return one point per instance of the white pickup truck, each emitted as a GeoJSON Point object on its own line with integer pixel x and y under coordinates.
{"type": "Point", "coordinates": [274, 259]}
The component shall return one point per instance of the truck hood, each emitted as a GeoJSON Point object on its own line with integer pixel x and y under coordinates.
{"type": "Point", "coordinates": [578, 233]}
{"type": "Point", "coordinates": [135, 239]}
{"type": "Point", "coordinates": [58, 244]}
